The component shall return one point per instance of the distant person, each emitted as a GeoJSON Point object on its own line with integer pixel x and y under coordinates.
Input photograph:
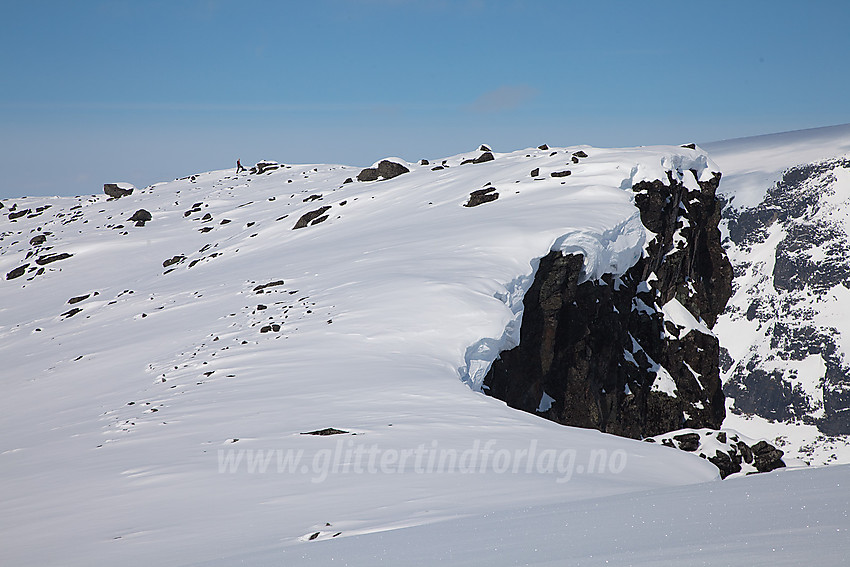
{"type": "Point", "coordinates": [239, 167]}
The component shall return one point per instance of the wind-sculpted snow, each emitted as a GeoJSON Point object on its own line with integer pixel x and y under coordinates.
{"type": "Point", "coordinates": [156, 379]}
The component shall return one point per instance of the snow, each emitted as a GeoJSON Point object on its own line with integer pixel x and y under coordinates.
{"type": "Point", "coordinates": [785, 518]}
{"type": "Point", "coordinates": [165, 422]}
{"type": "Point", "coordinates": [678, 315]}
{"type": "Point", "coordinates": [750, 167]}
{"type": "Point", "coordinates": [753, 165]}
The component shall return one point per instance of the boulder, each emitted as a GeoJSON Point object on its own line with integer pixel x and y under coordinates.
{"type": "Point", "coordinates": [386, 169]}
{"type": "Point", "coordinates": [687, 441]}
{"type": "Point", "coordinates": [482, 196]}
{"type": "Point", "coordinates": [140, 217]}
{"type": "Point", "coordinates": [312, 217]}
{"type": "Point", "coordinates": [17, 272]}
{"type": "Point", "coordinates": [486, 156]}
{"type": "Point", "coordinates": [118, 190]}
{"type": "Point", "coordinates": [264, 167]}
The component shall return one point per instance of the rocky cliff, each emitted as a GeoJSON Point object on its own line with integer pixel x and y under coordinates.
{"type": "Point", "coordinates": [785, 358]}
{"type": "Point", "coordinates": [630, 355]}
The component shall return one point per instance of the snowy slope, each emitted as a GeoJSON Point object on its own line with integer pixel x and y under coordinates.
{"type": "Point", "coordinates": [158, 380]}
{"type": "Point", "coordinates": [786, 328]}
{"type": "Point", "coordinates": [777, 519]}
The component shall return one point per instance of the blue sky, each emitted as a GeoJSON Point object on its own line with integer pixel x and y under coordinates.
{"type": "Point", "coordinates": [145, 91]}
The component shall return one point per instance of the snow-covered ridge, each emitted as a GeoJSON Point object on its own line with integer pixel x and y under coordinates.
{"type": "Point", "coordinates": [132, 355]}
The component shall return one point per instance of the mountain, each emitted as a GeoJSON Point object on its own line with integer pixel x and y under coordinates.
{"type": "Point", "coordinates": [786, 370]}
{"type": "Point", "coordinates": [286, 365]}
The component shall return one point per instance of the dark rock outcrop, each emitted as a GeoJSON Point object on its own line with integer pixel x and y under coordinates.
{"type": "Point", "coordinates": [265, 166]}
{"type": "Point", "coordinates": [50, 258]}
{"type": "Point", "coordinates": [386, 169]}
{"type": "Point", "coordinates": [797, 369]}
{"type": "Point", "coordinates": [602, 354]}
{"type": "Point", "coordinates": [727, 450]}
{"type": "Point", "coordinates": [17, 272]}
{"type": "Point", "coordinates": [312, 217]}
{"type": "Point", "coordinates": [486, 156]}
{"type": "Point", "coordinates": [140, 217]}
{"type": "Point", "coordinates": [116, 192]}
{"type": "Point", "coordinates": [482, 196]}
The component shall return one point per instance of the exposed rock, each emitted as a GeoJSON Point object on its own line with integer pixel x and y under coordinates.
{"type": "Point", "coordinates": [264, 166]}
{"type": "Point", "coordinates": [368, 174]}
{"type": "Point", "coordinates": [311, 217]}
{"type": "Point", "coordinates": [580, 154]}
{"type": "Point", "coordinates": [18, 214]}
{"type": "Point", "coordinates": [482, 196]}
{"type": "Point", "coordinates": [173, 260]}
{"type": "Point", "coordinates": [118, 190]}
{"type": "Point", "coordinates": [687, 441]}
{"type": "Point", "coordinates": [564, 173]}
{"type": "Point", "coordinates": [17, 272]}
{"type": "Point", "coordinates": [78, 298]}
{"type": "Point", "coordinates": [794, 250]}
{"type": "Point", "coordinates": [766, 457]}
{"type": "Point", "coordinates": [386, 169]}
{"type": "Point", "coordinates": [49, 258]}
{"type": "Point", "coordinates": [275, 283]}
{"type": "Point", "coordinates": [728, 450]}
{"type": "Point", "coordinates": [543, 147]}
{"type": "Point", "coordinates": [535, 172]}
{"type": "Point", "coordinates": [484, 148]}
{"type": "Point", "coordinates": [327, 431]}
{"type": "Point", "coordinates": [140, 217]}
{"type": "Point", "coordinates": [603, 352]}
{"type": "Point", "coordinates": [486, 156]}
{"type": "Point", "coordinates": [38, 240]}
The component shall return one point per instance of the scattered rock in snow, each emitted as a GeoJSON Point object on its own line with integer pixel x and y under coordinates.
{"type": "Point", "coordinates": [118, 190]}
{"type": "Point", "coordinates": [327, 431]}
{"type": "Point", "coordinates": [49, 258]}
{"type": "Point", "coordinates": [140, 217]}
{"type": "Point", "coordinates": [264, 166]}
{"type": "Point", "coordinates": [312, 217]}
{"type": "Point", "coordinates": [173, 260]}
{"type": "Point", "coordinates": [17, 272]}
{"type": "Point", "coordinates": [482, 196]}
{"type": "Point", "coordinates": [262, 287]}
{"type": "Point", "coordinates": [728, 450]}
{"type": "Point", "coordinates": [386, 169]}
{"type": "Point", "coordinates": [486, 156]}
